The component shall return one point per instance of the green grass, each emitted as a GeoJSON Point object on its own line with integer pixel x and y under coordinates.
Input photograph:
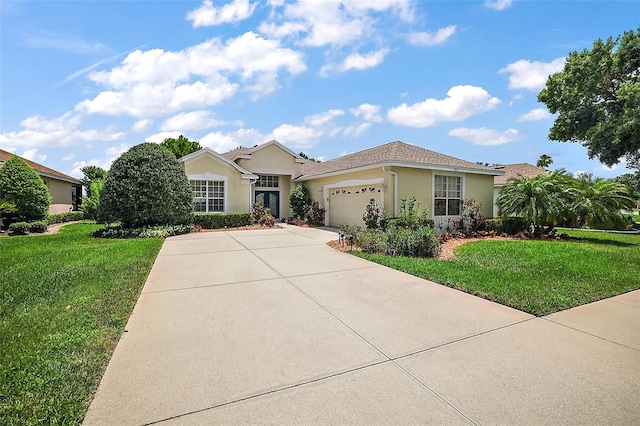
{"type": "Point", "coordinates": [539, 277]}
{"type": "Point", "coordinates": [65, 300]}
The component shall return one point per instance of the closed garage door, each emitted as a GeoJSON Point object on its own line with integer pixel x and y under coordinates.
{"type": "Point", "coordinates": [347, 205]}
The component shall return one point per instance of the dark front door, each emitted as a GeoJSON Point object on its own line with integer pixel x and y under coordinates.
{"type": "Point", "coordinates": [270, 199]}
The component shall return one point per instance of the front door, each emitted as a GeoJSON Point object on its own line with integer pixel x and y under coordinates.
{"type": "Point", "coordinates": [271, 200]}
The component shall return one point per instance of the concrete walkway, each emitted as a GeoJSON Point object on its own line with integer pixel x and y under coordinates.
{"type": "Point", "coordinates": [275, 327]}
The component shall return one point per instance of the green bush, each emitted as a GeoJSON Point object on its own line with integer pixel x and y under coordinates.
{"type": "Point", "coordinates": [372, 214]}
{"type": "Point", "coordinates": [221, 220]}
{"type": "Point", "coordinates": [20, 185]}
{"type": "Point", "coordinates": [162, 231]}
{"type": "Point", "coordinates": [373, 241]}
{"type": "Point", "coordinates": [421, 242]}
{"type": "Point", "coordinates": [38, 226]}
{"type": "Point", "coordinates": [91, 203]}
{"type": "Point", "coordinates": [19, 228]}
{"type": "Point", "coordinates": [514, 225]}
{"type": "Point", "coordinates": [65, 217]}
{"type": "Point", "coordinates": [298, 198]}
{"type": "Point", "coordinates": [489, 225]}
{"type": "Point", "coordinates": [146, 186]}
{"type": "Point", "coordinates": [261, 215]}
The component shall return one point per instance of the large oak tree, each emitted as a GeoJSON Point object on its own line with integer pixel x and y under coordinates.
{"type": "Point", "coordinates": [597, 98]}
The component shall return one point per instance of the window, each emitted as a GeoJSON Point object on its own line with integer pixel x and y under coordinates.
{"type": "Point", "coordinates": [208, 196]}
{"type": "Point", "coordinates": [267, 182]}
{"type": "Point", "coordinates": [447, 195]}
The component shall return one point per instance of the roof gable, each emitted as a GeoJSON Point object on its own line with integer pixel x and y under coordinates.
{"type": "Point", "coordinates": [40, 169]}
{"type": "Point", "coordinates": [515, 170]}
{"type": "Point", "coordinates": [211, 153]}
{"type": "Point", "coordinates": [242, 152]}
{"type": "Point", "coordinates": [393, 153]}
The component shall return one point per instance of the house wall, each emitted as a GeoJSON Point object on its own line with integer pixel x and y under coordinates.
{"type": "Point", "coordinates": [271, 160]}
{"type": "Point", "coordinates": [416, 183]}
{"type": "Point", "coordinates": [61, 199]}
{"type": "Point", "coordinates": [496, 194]}
{"type": "Point", "coordinates": [238, 193]}
{"type": "Point", "coordinates": [480, 188]}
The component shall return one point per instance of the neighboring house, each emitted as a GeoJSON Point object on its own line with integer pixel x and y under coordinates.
{"type": "Point", "coordinates": [65, 191]}
{"type": "Point", "coordinates": [512, 171]}
{"type": "Point", "coordinates": [343, 186]}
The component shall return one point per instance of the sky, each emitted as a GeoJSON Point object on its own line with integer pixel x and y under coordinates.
{"type": "Point", "coordinates": [83, 81]}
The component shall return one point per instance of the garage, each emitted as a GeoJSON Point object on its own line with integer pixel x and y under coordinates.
{"type": "Point", "coordinates": [347, 204]}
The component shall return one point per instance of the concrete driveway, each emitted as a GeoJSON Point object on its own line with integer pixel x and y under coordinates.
{"type": "Point", "coordinates": [275, 327]}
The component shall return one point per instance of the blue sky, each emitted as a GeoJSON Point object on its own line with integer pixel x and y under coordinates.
{"type": "Point", "coordinates": [83, 81]}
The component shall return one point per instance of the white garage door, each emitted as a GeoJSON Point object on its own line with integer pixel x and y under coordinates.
{"type": "Point", "coordinates": [347, 204]}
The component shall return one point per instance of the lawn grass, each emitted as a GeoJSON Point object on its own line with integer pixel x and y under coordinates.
{"type": "Point", "coordinates": [65, 300]}
{"type": "Point", "coordinates": [539, 277]}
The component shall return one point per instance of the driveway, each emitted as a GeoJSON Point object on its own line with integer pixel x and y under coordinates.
{"type": "Point", "coordinates": [275, 327]}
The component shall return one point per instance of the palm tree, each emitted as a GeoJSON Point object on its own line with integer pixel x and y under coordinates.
{"type": "Point", "coordinates": [541, 200]}
{"type": "Point", "coordinates": [544, 161]}
{"type": "Point", "coordinates": [598, 200]}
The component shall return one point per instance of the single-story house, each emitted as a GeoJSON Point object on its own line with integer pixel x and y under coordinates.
{"type": "Point", "coordinates": [512, 171]}
{"type": "Point", "coordinates": [266, 173]}
{"type": "Point", "coordinates": [65, 191]}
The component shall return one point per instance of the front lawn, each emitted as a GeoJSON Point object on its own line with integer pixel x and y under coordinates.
{"type": "Point", "coordinates": [539, 277]}
{"type": "Point", "coordinates": [65, 300]}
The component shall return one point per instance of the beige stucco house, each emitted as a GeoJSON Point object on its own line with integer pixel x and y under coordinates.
{"type": "Point", "coordinates": [65, 191]}
{"type": "Point", "coordinates": [233, 181]}
{"type": "Point", "coordinates": [512, 171]}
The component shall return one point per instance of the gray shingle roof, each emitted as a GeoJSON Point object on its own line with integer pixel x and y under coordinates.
{"type": "Point", "coordinates": [515, 170]}
{"type": "Point", "coordinates": [390, 153]}
{"type": "Point", "coordinates": [39, 168]}
{"type": "Point", "coordinates": [234, 153]}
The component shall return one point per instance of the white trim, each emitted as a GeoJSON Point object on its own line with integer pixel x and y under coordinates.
{"type": "Point", "coordinates": [463, 184]}
{"type": "Point", "coordinates": [218, 178]}
{"type": "Point", "coordinates": [345, 183]}
{"type": "Point", "coordinates": [395, 190]}
{"type": "Point", "coordinates": [279, 145]}
{"type": "Point", "coordinates": [187, 159]}
{"type": "Point", "coordinates": [273, 172]}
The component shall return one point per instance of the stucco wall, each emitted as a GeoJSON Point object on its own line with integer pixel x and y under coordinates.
{"type": "Point", "coordinates": [270, 160]}
{"type": "Point", "coordinates": [480, 188]}
{"type": "Point", "coordinates": [237, 191]}
{"type": "Point", "coordinates": [61, 197]}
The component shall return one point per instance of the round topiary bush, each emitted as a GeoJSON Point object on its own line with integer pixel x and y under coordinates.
{"type": "Point", "coordinates": [146, 186]}
{"type": "Point", "coordinates": [21, 185]}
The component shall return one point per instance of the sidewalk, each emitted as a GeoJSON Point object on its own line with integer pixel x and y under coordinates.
{"type": "Point", "coordinates": [274, 327]}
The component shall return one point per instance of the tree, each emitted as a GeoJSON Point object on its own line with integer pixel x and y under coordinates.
{"type": "Point", "coordinates": [91, 203]}
{"type": "Point", "coordinates": [541, 200]}
{"type": "Point", "coordinates": [146, 186]}
{"type": "Point", "coordinates": [91, 173]}
{"type": "Point", "coordinates": [632, 181]}
{"type": "Point", "coordinates": [544, 161]}
{"type": "Point", "coordinates": [597, 201]}
{"type": "Point", "coordinates": [180, 146]}
{"type": "Point", "coordinates": [22, 186]}
{"type": "Point", "coordinates": [298, 198]}
{"type": "Point", "coordinates": [597, 97]}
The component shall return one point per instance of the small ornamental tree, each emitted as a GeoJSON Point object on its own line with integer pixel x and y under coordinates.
{"type": "Point", "coordinates": [298, 198]}
{"type": "Point", "coordinates": [22, 186]}
{"type": "Point", "coordinates": [146, 186]}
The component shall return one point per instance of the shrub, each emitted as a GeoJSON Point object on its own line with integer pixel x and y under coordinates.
{"type": "Point", "coordinates": [22, 186]}
{"type": "Point", "coordinates": [146, 186]}
{"type": "Point", "coordinates": [162, 231]}
{"type": "Point", "coordinates": [373, 241]}
{"type": "Point", "coordinates": [314, 214]}
{"type": "Point", "coordinates": [65, 217]}
{"type": "Point", "coordinates": [372, 215]}
{"type": "Point", "coordinates": [91, 203]}
{"type": "Point", "coordinates": [221, 220]}
{"type": "Point", "coordinates": [410, 216]}
{"type": "Point", "coordinates": [298, 198]}
{"type": "Point", "coordinates": [38, 226]}
{"type": "Point", "coordinates": [421, 242]}
{"type": "Point", "coordinates": [471, 218]}
{"type": "Point", "coordinates": [489, 225]}
{"type": "Point", "coordinates": [19, 228]}
{"type": "Point", "coordinates": [261, 215]}
{"type": "Point", "coordinates": [514, 225]}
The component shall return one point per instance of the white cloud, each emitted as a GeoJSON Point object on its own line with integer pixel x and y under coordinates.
{"type": "Point", "coordinates": [63, 131]}
{"type": "Point", "coordinates": [159, 137]}
{"type": "Point", "coordinates": [194, 120]}
{"type": "Point", "coordinates": [158, 82]}
{"type": "Point", "coordinates": [103, 163]}
{"type": "Point", "coordinates": [301, 137]}
{"type": "Point", "coordinates": [208, 15]}
{"type": "Point", "coordinates": [356, 130]}
{"type": "Point", "coordinates": [431, 39]}
{"type": "Point", "coordinates": [368, 112]}
{"type": "Point", "coordinates": [461, 102]}
{"type": "Point", "coordinates": [485, 137]}
{"type": "Point", "coordinates": [32, 154]}
{"type": "Point", "coordinates": [535, 115]}
{"type": "Point", "coordinates": [141, 125]}
{"type": "Point", "coordinates": [531, 75]}
{"type": "Point", "coordinates": [68, 157]}
{"type": "Point", "coordinates": [223, 142]}
{"type": "Point", "coordinates": [323, 118]}
{"type": "Point", "coordinates": [115, 151]}
{"type": "Point", "coordinates": [64, 43]}
{"type": "Point", "coordinates": [498, 4]}
{"type": "Point", "coordinates": [357, 61]}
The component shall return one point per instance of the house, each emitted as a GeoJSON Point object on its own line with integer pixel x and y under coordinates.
{"type": "Point", "coordinates": [266, 174]}
{"type": "Point", "coordinates": [65, 191]}
{"type": "Point", "coordinates": [512, 171]}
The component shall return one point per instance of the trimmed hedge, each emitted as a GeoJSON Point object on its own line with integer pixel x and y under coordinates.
{"type": "Point", "coordinates": [23, 228]}
{"type": "Point", "coordinates": [221, 220]}
{"type": "Point", "coordinates": [509, 225]}
{"type": "Point", "coordinates": [65, 217]}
